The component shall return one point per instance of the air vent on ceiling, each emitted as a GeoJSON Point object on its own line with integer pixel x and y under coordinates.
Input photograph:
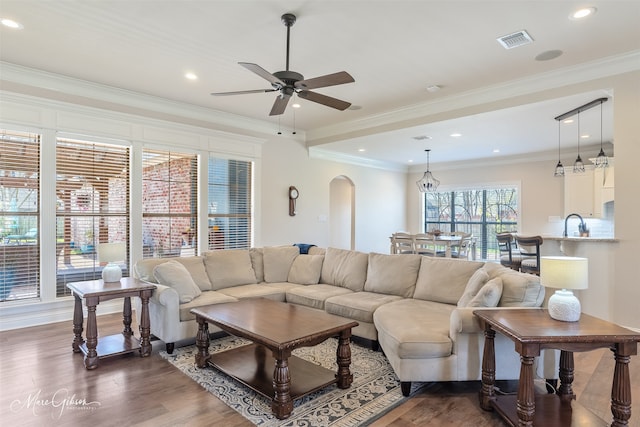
{"type": "Point", "coordinates": [514, 40]}
{"type": "Point", "coordinates": [421, 137]}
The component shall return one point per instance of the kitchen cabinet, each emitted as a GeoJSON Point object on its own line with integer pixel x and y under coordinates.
{"type": "Point", "coordinates": [586, 193]}
{"type": "Point", "coordinates": [579, 193]}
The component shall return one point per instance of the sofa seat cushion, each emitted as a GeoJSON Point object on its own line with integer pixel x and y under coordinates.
{"type": "Point", "coordinates": [254, 291]}
{"type": "Point", "coordinates": [414, 329]}
{"type": "Point", "coordinates": [206, 298]}
{"type": "Point", "coordinates": [358, 305]}
{"type": "Point", "coordinates": [314, 295]}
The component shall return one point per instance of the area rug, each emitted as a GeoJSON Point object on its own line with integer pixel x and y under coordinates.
{"type": "Point", "coordinates": [375, 389]}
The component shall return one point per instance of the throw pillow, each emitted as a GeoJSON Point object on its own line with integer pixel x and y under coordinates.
{"type": "Point", "coordinates": [195, 266]}
{"type": "Point", "coordinates": [475, 283]}
{"type": "Point", "coordinates": [176, 276]}
{"type": "Point", "coordinates": [229, 267]}
{"type": "Point", "coordinates": [489, 295]}
{"type": "Point", "coordinates": [306, 269]}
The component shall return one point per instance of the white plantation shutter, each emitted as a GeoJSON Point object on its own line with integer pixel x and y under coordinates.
{"type": "Point", "coordinates": [92, 206]}
{"type": "Point", "coordinates": [169, 203]}
{"type": "Point", "coordinates": [19, 215]}
{"type": "Point", "coordinates": [230, 208]}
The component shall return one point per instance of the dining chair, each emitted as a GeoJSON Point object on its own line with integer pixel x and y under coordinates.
{"type": "Point", "coordinates": [424, 244]}
{"type": "Point", "coordinates": [509, 256]}
{"type": "Point", "coordinates": [461, 250]}
{"type": "Point", "coordinates": [402, 243]}
{"type": "Point", "coordinates": [530, 253]}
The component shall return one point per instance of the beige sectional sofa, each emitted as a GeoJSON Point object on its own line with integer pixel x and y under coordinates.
{"type": "Point", "coordinates": [419, 309]}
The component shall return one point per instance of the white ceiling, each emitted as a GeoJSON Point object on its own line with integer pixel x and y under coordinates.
{"type": "Point", "coordinates": [393, 49]}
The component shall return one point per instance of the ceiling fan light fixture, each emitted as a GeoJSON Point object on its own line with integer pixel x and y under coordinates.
{"type": "Point", "coordinates": [428, 183]}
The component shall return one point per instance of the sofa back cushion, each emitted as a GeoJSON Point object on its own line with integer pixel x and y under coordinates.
{"type": "Point", "coordinates": [392, 274]}
{"type": "Point", "coordinates": [194, 265]}
{"type": "Point", "coordinates": [277, 262]}
{"type": "Point", "coordinates": [175, 275]}
{"type": "Point", "coordinates": [257, 263]}
{"type": "Point", "coordinates": [444, 279]}
{"type": "Point", "coordinates": [344, 268]}
{"type": "Point", "coordinates": [306, 269]}
{"type": "Point", "coordinates": [520, 289]}
{"type": "Point", "coordinates": [229, 267]}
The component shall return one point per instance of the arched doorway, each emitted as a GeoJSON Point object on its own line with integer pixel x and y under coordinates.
{"type": "Point", "coordinates": [342, 213]}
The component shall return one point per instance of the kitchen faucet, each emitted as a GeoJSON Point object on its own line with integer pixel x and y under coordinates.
{"type": "Point", "coordinates": [582, 226]}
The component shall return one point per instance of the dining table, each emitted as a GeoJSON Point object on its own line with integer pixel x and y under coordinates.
{"type": "Point", "coordinates": [447, 241]}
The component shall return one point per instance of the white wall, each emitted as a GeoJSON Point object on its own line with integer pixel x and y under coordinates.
{"type": "Point", "coordinates": [379, 198]}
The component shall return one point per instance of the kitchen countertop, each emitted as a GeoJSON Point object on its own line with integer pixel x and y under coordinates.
{"type": "Point", "coordinates": [581, 239]}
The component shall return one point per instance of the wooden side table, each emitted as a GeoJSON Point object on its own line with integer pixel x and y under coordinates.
{"type": "Point", "coordinates": [95, 291]}
{"type": "Point", "coordinates": [533, 330]}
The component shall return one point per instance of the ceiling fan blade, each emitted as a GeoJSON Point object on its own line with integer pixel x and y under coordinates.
{"type": "Point", "coordinates": [280, 105]}
{"type": "Point", "coordinates": [338, 78]}
{"type": "Point", "coordinates": [242, 92]}
{"type": "Point", "coordinates": [324, 100]}
{"type": "Point", "coordinates": [262, 73]}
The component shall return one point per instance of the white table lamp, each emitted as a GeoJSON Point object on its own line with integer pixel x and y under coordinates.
{"type": "Point", "coordinates": [565, 274]}
{"type": "Point", "coordinates": [112, 253]}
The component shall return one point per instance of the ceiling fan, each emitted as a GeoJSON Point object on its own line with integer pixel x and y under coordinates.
{"type": "Point", "coordinates": [289, 82]}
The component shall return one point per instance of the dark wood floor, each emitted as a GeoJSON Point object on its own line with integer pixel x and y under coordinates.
{"type": "Point", "coordinates": [44, 384]}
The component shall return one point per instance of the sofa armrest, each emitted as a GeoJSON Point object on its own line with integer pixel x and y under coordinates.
{"type": "Point", "coordinates": [462, 321]}
{"type": "Point", "coordinates": [166, 296]}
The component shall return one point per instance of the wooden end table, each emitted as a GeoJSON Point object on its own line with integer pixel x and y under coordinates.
{"type": "Point", "coordinates": [95, 291]}
{"type": "Point", "coordinates": [533, 330]}
{"type": "Point", "coordinates": [267, 366]}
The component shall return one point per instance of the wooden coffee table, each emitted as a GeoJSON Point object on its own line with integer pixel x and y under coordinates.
{"type": "Point", "coordinates": [267, 366]}
{"type": "Point", "coordinates": [533, 330]}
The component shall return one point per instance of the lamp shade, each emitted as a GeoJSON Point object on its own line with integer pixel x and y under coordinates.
{"type": "Point", "coordinates": [112, 252]}
{"type": "Point", "coordinates": [563, 272]}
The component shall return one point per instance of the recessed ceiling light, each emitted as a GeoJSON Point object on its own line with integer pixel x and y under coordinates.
{"type": "Point", "coordinates": [191, 76]}
{"type": "Point", "coordinates": [583, 13]}
{"type": "Point", "coordinates": [585, 136]}
{"type": "Point", "coordinates": [11, 23]}
{"type": "Point", "coordinates": [496, 150]}
{"type": "Point", "coordinates": [295, 105]}
{"type": "Point", "coordinates": [410, 161]}
{"type": "Point", "coordinates": [362, 150]}
{"type": "Point", "coordinates": [456, 135]}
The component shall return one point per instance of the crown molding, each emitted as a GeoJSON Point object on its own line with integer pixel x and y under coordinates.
{"type": "Point", "coordinates": [30, 81]}
{"type": "Point", "coordinates": [413, 115]}
{"type": "Point", "coordinates": [322, 154]}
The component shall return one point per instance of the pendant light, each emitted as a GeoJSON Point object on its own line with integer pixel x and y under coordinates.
{"type": "Point", "coordinates": [559, 168]}
{"type": "Point", "coordinates": [578, 165]}
{"type": "Point", "coordinates": [602, 161]}
{"type": "Point", "coordinates": [427, 183]}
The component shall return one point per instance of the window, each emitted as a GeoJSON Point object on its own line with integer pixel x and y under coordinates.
{"type": "Point", "coordinates": [480, 212]}
{"type": "Point", "coordinates": [92, 206]}
{"type": "Point", "coordinates": [169, 203]}
{"type": "Point", "coordinates": [229, 204]}
{"type": "Point", "coordinates": [19, 215]}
